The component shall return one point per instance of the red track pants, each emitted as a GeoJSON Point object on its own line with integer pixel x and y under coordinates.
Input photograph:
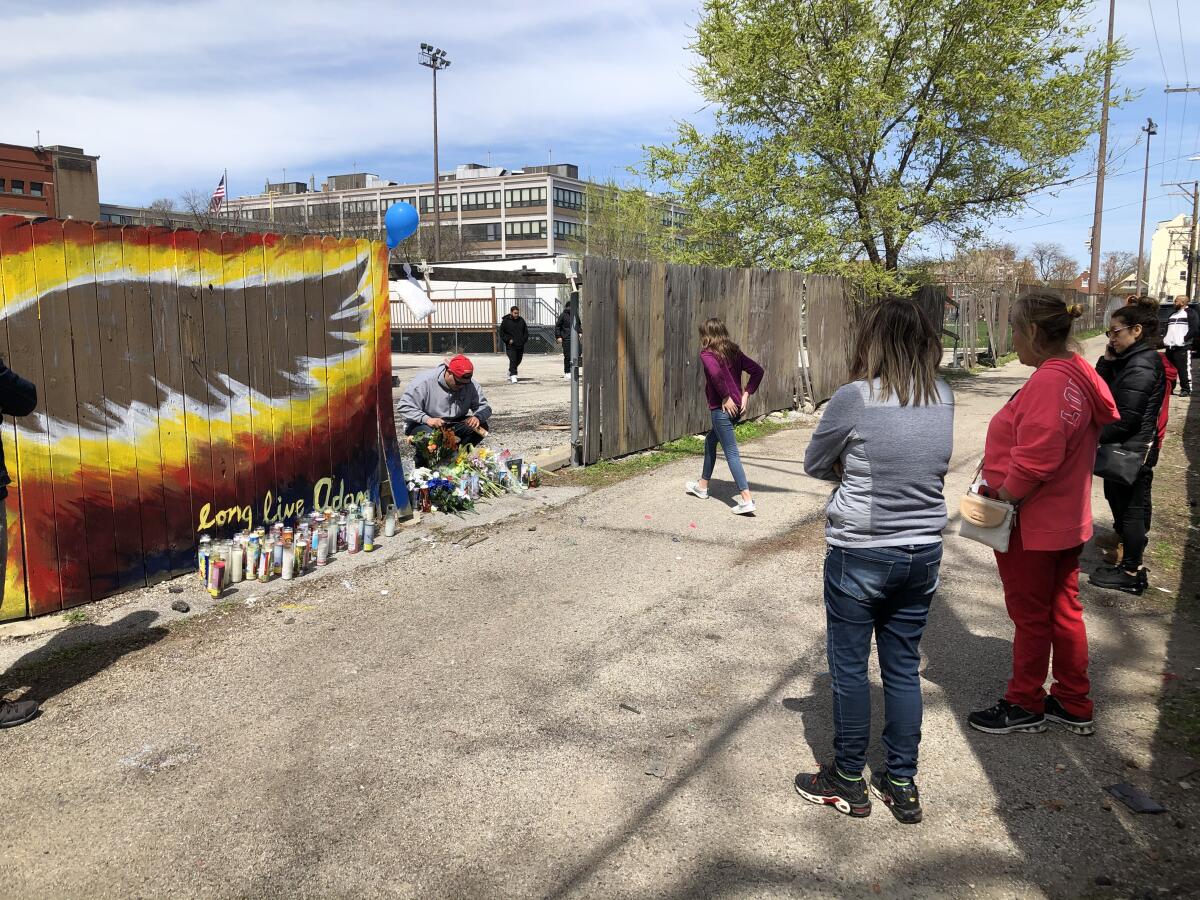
{"type": "Point", "coordinates": [1041, 591]}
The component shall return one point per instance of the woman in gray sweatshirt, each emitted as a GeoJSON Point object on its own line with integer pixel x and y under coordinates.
{"type": "Point", "coordinates": [885, 440]}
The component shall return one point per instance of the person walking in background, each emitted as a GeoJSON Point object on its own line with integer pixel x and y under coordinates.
{"type": "Point", "coordinates": [724, 365]}
{"type": "Point", "coordinates": [1039, 454]}
{"type": "Point", "coordinates": [515, 334]}
{"type": "Point", "coordinates": [1182, 328]}
{"type": "Point", "coordinates": [18, 397]}
{"type": "Point", "coordinates": [1135, 374]}
{"type": "Point", "coordinates": [562, 334]}
{"type": "Point", "coordinates": [885, 440]}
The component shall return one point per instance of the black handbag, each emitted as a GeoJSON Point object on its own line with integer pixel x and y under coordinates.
{"type": "Point", "coordinates": [1115, 463]}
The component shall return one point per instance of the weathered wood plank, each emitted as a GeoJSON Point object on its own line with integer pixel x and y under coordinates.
{"type": "Point", "coordinates": [169, 366]}
{"type": "Point", "coordinates": [262, 410]}
{"type": "Point", "coordinates": [241, 410]}
{"type": "Point", "coordinates": [62, 413]}
{"type": "Point", "coordinates": [107, 411]}
{"type": "Point", "coordinates": [14, 602]}
{"type": "Point", "coordinates": [142, 426]}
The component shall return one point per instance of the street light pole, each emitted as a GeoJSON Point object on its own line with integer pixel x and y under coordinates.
{"type": "Point", "coordinates": [1151, 129]}
{"type": "Point", "coordinates": [434, 59]}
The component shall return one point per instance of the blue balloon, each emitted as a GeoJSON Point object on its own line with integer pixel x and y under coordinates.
{"type": "Point", "coordinates": [401, 221]}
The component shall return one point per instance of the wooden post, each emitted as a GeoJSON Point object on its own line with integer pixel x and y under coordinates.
{"type": "Point", "coordinates": [492, 316]}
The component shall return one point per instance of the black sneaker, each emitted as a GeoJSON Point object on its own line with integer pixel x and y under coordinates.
{"type": "Point", "coordinates": [1074, 724]}
{"type": "Point", "coordinates": [828, 787]}
{"type": "Point", "coordinates": [1117, 578]}
{"type": "Point", "coordinates": [17, 713]}
{"type": "Point", "coordinates": [1005, 718]}
{"type": "Point", "coordinates": [900, 797]}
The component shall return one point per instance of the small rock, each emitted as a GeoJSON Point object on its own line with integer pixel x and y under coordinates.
{"type": "Point", "coordinates": [1131, 764]}
{"type": "Point", "coordinates": [289, 621]}
{"type": "Point", "coordinates": [533, 528]}
{"type": "Point", "coordinates": [180, 606]}
{"type": "Point", "coordinates": [1104, 804]}
{"type": "Point", "coordinates": [628, 708]}
{"type": "Point", "coordinates": [1059, 767]}
{"type": "Point", "coordinates": [174, 590]}
{"type": "Point", "coordinates": [1103, 881]}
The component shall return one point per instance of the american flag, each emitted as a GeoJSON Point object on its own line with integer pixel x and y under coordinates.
{"type": "Point", "coordinates": [218, 196]}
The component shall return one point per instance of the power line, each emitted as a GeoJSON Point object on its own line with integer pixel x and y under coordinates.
{"type": "Point", "coordinates": [1182, 47]}
{"type": "Point", "coordinates": [1085, 215]}
{"type": "Point", "coordinates": [1162, 60]}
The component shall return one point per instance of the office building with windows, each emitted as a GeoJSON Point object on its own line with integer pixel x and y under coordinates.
{"type": "Point", "coordinates": [57, 182]}
{"type": "Point", "coordinates": [494, 212]}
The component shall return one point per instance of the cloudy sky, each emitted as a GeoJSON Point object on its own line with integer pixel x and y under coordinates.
{"type": "Point", "coordinates": [170, 92]}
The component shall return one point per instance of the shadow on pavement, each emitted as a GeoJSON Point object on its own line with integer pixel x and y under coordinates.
{"type": "Point", "coordinates": [76, 654]}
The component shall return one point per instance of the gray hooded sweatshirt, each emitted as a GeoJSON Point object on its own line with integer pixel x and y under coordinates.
{"type": "Point", "coordinates": [427, 397]}
{"type": "Point", "coordinates": [894, 460]}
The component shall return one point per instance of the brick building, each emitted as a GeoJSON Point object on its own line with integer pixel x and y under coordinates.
{"type": "Point", "coordinates": [53, 181]}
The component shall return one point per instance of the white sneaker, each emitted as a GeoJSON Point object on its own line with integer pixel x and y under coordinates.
{"type": "Point", "coordinates": [512, 378]}
{"type": "Point", "coordinates": [694, 489]}
{"type": "Point", "coordinates": [566, 376]}
{"type": "Point", "coordinates": [743, 508]}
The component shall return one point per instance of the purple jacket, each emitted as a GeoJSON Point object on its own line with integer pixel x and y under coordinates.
{"type": "Point", "coordinates": [724, 379]}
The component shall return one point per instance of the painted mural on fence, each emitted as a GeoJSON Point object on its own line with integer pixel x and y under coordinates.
{"type": "Point", "coordinates": [188, 381]}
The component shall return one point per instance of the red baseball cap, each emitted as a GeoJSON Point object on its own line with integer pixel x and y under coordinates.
{"type": "Point", "coordinates": [460, 367]}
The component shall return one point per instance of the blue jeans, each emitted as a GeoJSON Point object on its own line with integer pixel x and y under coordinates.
{"type": "Point", "coordinates": [722, 430]}
{"type": "Point", "coordinates": [884, 591]}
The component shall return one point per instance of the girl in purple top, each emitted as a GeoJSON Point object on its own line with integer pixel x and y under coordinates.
{"type": "Point", "coordinates": [724, 364]}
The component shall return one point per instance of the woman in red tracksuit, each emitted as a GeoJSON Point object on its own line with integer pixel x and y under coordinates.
{"type": "Point", "coordinates": [1039, 453]}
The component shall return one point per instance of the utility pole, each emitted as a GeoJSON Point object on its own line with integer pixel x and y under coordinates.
{"type": "Point", "coordinates": [434, 59]}
{"type": "Point", "coordinates": [1151, 129]}
{"type": "Point", "coordinates": [1101, 163]}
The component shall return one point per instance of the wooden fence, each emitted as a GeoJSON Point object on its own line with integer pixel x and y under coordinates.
{"type": "Point", "coordinates": [187, 382]}
{"type": "Point", "coordinates": [983, 312]}
{"type": "Point", "coordinates": [642, 379]}
{"type": "Point", "coordinates": [832, 311]}
{"type": "Point", "coordinates": [469, 315]}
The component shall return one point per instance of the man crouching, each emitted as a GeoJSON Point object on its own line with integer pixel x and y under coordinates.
{"type": "Point", "coordinates": [445, 397]}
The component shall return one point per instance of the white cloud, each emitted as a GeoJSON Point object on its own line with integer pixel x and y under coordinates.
{"type": "Point", "coordinates": [170, 93]}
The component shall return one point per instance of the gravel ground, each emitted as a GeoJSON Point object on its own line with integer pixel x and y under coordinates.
{"type": "Point", "coordinates": [578, 694]}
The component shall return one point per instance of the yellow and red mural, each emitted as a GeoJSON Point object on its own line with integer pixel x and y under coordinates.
{"type": "Point", "coordinates": [187, 382]}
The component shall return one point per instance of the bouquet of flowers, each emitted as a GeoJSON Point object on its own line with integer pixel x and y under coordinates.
{"type": "Point", "coordinates": [437, 445]}
{"type": "Point", "coordinates": [448, 496]}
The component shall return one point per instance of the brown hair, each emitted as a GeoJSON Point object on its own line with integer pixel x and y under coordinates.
{"type": "Point", "coordinates": [714, 336]}
{"type": "Point", "coordinates": [1144, 313]}
{"type": "Point", "coordinates": [897, 344]}
{"type": "Point", "coordinates": [1051, 317]}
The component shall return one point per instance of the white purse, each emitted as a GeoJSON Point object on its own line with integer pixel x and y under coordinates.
{"type": "Point", "coordinates": [983, 519]}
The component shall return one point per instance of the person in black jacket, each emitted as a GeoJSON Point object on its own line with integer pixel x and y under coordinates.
{"type": "Point", "coordinates": [1134, 373]}
{"type": "Point", "coordinates": [562, 334]}
{"type": "Point", "coordinates": [17, 398]}
{"type": "Point", "coordinates": [515, 333]}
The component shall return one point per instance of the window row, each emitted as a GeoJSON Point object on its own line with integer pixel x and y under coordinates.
{"type": "Point", "coordinates": [519, 197]}
{"type": "Point", "coordinates": [482, 233]}
{"type": "Point", "coordinates": [481, 200]}
{"type": "Point", "coordinates": [534, 230]}
{"type": "Point", "coordinates": [568, 231]}
{"type": "Point", "coordinates": [449, 203]}
{"type": "Point", "coordinates": [568, 199]}
{"type": "Point", "coordinates": [17, 186]}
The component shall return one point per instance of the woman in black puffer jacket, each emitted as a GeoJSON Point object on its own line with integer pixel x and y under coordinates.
{"type": "Point", "coordinates": [1135, 375]}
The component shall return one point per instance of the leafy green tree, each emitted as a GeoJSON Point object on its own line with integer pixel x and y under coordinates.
{"type": "Point", "coordinates": [628, 223]}
{"type": "Point", "coordinates": [844, 130]}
